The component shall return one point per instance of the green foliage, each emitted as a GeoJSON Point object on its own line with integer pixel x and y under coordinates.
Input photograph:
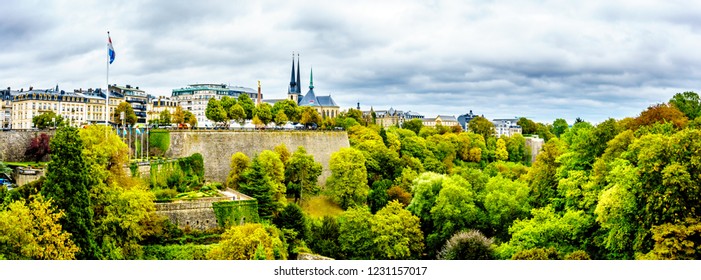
{"type": "Point", "coordinates": [48, 119]}
{"type": "Point", "coordinates": [355, 234]}
{"type": "Point", "coordinates": [164, 118]}
{"type": "Point", "coordinates": [505, 201]}
{"type": "Point", "coordinates": [501, 153]}
{"type": "Point", "coordinates": [323, 237]}
{"type": "Point", "coordinates": [414, 125]}
{"type": "Point", "coordinates": [397, 233]}
{"type": "Point", "coordinates": [301, 174]}
{"type": "Point", "coordinates": [235, 212]}
{"type": "Point", "coordinates": [467, 245]}
{"type": "Point", "coordinates": [688, 103]}
{"type": "Point", "coordinates": [263, 112]}
{"type": "Point", "coordinates": [183, 174]}
{"type": "Point", "coordinates": [482, 126]}
{"type": "Point", "coordinates": [676, 241]}
{"type": "Point", "coordinates": [176, 252]}
{"type": "Point", "coordinates": [541, 176]}
{"type": "Point", "coordinates": [159, 139]}
{"type": "Point", "coordinates": [348, 181]}
{"type": "Point", "coordinates": [527, 126]}
{"type": "Point", "coordinates": [560, 126]}
{"type": "Point", "coordinates": [242, 242]}
{"type": "Point", "coordinates": [378, 197]}
{"type": "Point", "coordinates": [516, 148]}
{"type": "Point", "coordinates": [537, 254]}
{"type": "Point", "coordinates": [288, 108]}
{"type": "Point", "coordinates": [292, 218]}
{"type": "Point", "coordinates": [454, 210]}
{"type": "Point", "coordinates": [237, 113]}
{"type": "Point", "coordinates": [263, 180]}
{"type": "Point", "coordinates": [129, 115]}
{"type": "Point", "coordinates": [215, 112]}
{"type": "Point", "coordinates": [247, 104]}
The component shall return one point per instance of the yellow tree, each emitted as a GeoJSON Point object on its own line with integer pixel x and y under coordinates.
{"type": "Point", "coordinates": [249, 241]}
{"type": "Point", "coordinates": [33, 232]}
{"type": "Point", "coordinates": [501, 153]}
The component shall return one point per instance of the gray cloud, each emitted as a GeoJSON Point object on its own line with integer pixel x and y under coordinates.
{"type": "Point", "coordinates": [545, 60]}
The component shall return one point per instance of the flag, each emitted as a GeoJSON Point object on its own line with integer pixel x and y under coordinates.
{"type": "Point", "coordinates": [110, 49]}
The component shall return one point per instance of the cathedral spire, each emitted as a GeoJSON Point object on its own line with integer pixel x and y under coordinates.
{"type": "Point", "coordinates": [299, 84]}
{"type": "Point", "coordinates": [311, 78]}
{"type": "Point", "coordinates": [293, 84]}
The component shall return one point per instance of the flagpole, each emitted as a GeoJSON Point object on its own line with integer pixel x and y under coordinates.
{"type": "Point", "coordinates": [107, 95]}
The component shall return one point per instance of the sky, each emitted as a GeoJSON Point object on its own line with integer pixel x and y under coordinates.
{"type": "Point", "coordinates": [537, 59]}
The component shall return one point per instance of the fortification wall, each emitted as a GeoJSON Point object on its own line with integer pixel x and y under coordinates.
{"type": "Point", "coordinates": [197, 214]}
{"type": "Point", "coordinates": [534, 144]}
{"type": "Point", "coordinates": [217, 147]}
{"type": "Point", "coordinates": [14, 143]}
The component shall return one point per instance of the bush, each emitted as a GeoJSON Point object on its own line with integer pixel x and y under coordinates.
{"type": "Point", "coordinates": [165, 195]}
{"type": "Point", "coordinates": [159, 142]}
{"type": "Point", "coordinates": [537, 254]}
{"type": "Point", "coordinates": [467, 245]}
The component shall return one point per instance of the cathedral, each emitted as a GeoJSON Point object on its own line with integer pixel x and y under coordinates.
{"type": "Point", "coordinates": [323, 104]}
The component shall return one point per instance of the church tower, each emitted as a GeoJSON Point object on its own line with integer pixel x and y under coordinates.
{"type": "Point", "coordinates": [293, 91]}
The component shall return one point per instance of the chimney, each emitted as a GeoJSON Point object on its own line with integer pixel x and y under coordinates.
{"type": "Point", "coordinates": [128, 86]}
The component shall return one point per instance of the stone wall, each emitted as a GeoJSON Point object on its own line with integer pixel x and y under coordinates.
{"type": "Point", "coordinates": [13, 143]}
{"type": "Point", "coordinates": [197, 214]}
{"type": "Point", "coordinates": [217, 147]}
{"type": "Point", "coordinates": [534, 144]}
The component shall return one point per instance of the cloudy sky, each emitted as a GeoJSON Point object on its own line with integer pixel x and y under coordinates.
{"type": "Point", "coordinates": [538, 59]}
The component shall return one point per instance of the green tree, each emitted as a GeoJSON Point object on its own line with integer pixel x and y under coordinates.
{"type": "Point", "coordinates": [215, 112]}
{"type": "Point", "coordinates": [481, 126]}
{"type": "Point", "coordinates": [560, 126]}
{"type": "Point", "coordinates": [467, 245]}
{"type": "Point", "coordinates": [237, 113]}
{"type": "Point", "coordinates": [688, 103]}
{"type": "Point", "coordinates": [414, 125]}
{"type": "Point", "coordinates": [292, 217]}
{"type": "Point", "coordinates": [129, 115]}
{"type": "Point", "coordinates": [48, 119]}
{"type": "Point", "coordinates": [281, 118]}
{"type": "Point", "coordinates": [356, 237]}
{"type": "Point", "coordinates": [378, 197]}
{"type": "Point", "coordinates": [33, 231]}
{"type": "Point", "coordinates": [542, 176]}
{"type": "Point", "coordinates": [397, 233]}
{"type": "Point", "coordinates": [242, 242]}
{"type": "Point", "coordinates": [289, 108]}
{"type": "Point", "coordinates": [164, 118]}
{"type": "Point", "coordinates": [247, 104]}
{"type": "Point", "coordinates": [348, 182]}
{"type": "Point", "coordinates": [283, 152]}
{"type": "Point", "coordinates": [239, 163]}
{"type": "Point", "coordinates": [501, 152]}
{"type": "Point", "coordinates": [505, 201]}
{"type": "Point", "coordinates": [527, 126]}
{"type": "Point", "coordinates": [226, 103]}
{"type": "Point", "coordinates": [263, 181]}
{"type": "Point", "coordinates": [263, 112]}
{"type": "Point", "coordinates": [301, 174]}
{"type": "Point", "coordinates": [190, 119]}
{"type": "Point", "coordinates": [323, 237]}
{"type": "Point", "coordinates": [67, 184]}
{"type": "Point", "coordinates": [516, 148]}
{"type": "Point", "coordinates": [454, 210]}
{"type": "Point", "coordinates": [425, 189]}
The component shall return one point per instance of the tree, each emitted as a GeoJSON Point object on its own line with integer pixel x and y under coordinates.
{"type": "Point", "coordinates": [560, 126]}
{"type": "Point", "coordinates": [527, 126]}
{"type": "Point", "coordinates": [215, 112]}
{"type": "Point", "coordinates": [414, 125]}
{"type": "Point", "coordinates": [399, 194]}
{"type": "Point", "coordinates": [516, 148]}
{"type": "Point", "coordinates": [467, 245]}
{"type": "Point", "coordinates": [178, 116]}
{"type": "Point", "coordinates": [237, 113]}
{"type": "Point", "coordinates": [190, 119]}
{"type": "Point", "coordinates": [292, 217]}
{"type": "Point", "coordinates": [38, 147]}
{"type": "Point", "coordinates": [397, 233]}
{"type": "Point", "coordinates": [281, 118]}
{"type": "Point", "coordinates": [287, 107]}
{"type": "Point", "coordinates": [263, 112]}
{"type": "Point", "coordinates": [227, 103]}
{"type": "Point", "coordinates": [378, 197]}
{"type": "Point", "coordinates": [660, 113]}
{"type": "Point", "coordinates": [688, 103]}
{"type": "Point", "coordinates": [302, 173]}
{"type": "Point", "coordinates": [283, 152]}
{"type": "Point", "coordinates": [481, 126]}
{"type": "Point", "coordinates": [48, 119]}
{"type": "Point", "coordinates": [239, 163]}
{"type": "Point", "coordinates": [242, 242]}
{"type": "Point", "coordinates": [164, 118]}
{"type": "Point", "coordinates": [454, 210]}
{"type": "Point", "coordinates": [542, 176]}
{"type": "Point", "coordinates": [355, 235]}
{"type": "Point", "coordinates": [33, 231]}
{"type": "Point", "coordinates": [129, 115]}
{"type": "Point", "coordinates": [310, 116]}
{"type": "Point", "coordinates": [67, 184]}
{"type": "Point", "coordinates": [263, 180]}
{"type": "Point", "coordinates": [247, 104]}
{"type": "Point", "coordinates": [425, 189]}
{"type": "Point", "coordinates": [505, 201]}
{"type": "Point", "coordinates": [348, 182]}
{"type": "Point", "coordinates": [501, 153]}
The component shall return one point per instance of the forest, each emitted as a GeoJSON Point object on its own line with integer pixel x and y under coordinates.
{"type": "Point", "coordinates": [620, 189]}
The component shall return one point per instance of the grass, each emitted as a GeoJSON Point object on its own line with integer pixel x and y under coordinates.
{"type": "Point", "coordinates": [320, 206]}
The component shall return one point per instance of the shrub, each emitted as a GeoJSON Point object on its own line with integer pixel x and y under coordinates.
{"type": "Point", "coordinates": [467, 245]}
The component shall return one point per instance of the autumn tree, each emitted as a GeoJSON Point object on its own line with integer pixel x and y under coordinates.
{"type": "Point", "coordinates": [33, 231]}
{"type": "Point", "coordinates": [239, 163]}
{"type": "Point", "coordinates": [48, 119]}
{"type": "Point", "coordinates": [38, 147]}
{"type": "Point", "coordinates": [348, 182]}
{"type": "Point", "coordinates": [129, 115]}
{"type": "Point", "coordinates": [244, 241]}
{"type": "Point", "coordinates": [178, 116]}
{"type": "Point", "coordinates": [309, 116]}
{"type": "Point", "coordinates": [67, 185]}
{"type": "Point", "coordinates": [482, 126]}
{"type": "Point", "coordinates": [660, 113]}
{"type": "Point", "coordinates": [501, 152]}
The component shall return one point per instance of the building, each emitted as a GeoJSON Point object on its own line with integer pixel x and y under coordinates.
{"type": "Point", "coordinates": [137, 98]}
{"type": "Point", "coordinates": [465, 119]}
{"type": "Point", "coordinates": [159, 104]}
{"type": "Point", "coordinates": [325, 105]}
{"type": "Point", "coordinates": [6, 97]}
{"type": "Point", "coordinates": [506, 127]}
{"type": "Point", "coordinates": [441, 120]}
{"type": "Point", "coordinates": [391, 117]}
{"type": "Point", "coordinates": [194, 98]}
{"type": "Point", "coordinates": [77, 108]}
